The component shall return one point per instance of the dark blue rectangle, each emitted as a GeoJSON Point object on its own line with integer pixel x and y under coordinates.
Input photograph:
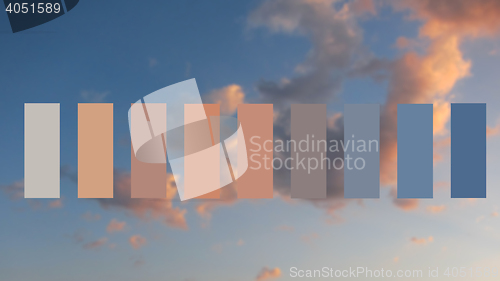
{"type": "Point", "coordinates": [468, 150]}
{"type": "Point", "coordinates": [415, 151]}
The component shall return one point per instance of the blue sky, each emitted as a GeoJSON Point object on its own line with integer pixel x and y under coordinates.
{"type": "Point", "coordinates": [120, 51]}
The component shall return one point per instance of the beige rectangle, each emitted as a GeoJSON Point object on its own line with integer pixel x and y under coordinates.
{"type": "Point", "coordinates": [41, 150]}
{"type": "Point", "coordinates": [95, 150]}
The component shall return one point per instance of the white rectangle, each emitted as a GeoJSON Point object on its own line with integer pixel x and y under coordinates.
{"type": "Point", "coordinates": [41, 150]}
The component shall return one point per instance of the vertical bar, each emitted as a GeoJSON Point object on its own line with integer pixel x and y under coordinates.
{"type": "Point", "coordinates": [308, 154]}
{"type": "Point", "coordinates": [95, 150]}
{"type": "Point", "coordinates": [257, 123]}
{"type": "Point", "coordinates": [468, 150]}
{"type": "Point", "coordinates": [149, 179]}
{"type": "Point", "coordinates": [361, 166]}
{"type": "Point", "coordinates": [41, 150]}
{"type": "Point", "coordinates": [201, 157]}
{"type": "Point", "coordinates": [415, 151]}
{"type": "Point", "coordinates": [213, 110]}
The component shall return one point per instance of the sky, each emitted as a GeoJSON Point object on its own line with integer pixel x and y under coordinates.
{"type": "Point", "coordinates": [276, 51]}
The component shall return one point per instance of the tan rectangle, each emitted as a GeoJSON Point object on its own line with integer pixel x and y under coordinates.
{"type": "Point", "coordinates": [257, 123]}
{"type": "Point", "coordinates": [95, 150]}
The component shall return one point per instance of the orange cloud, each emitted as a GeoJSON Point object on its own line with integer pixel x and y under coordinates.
{"type": "Point", "coordinates": [228, 97]}
{"type": "Point", "coordinates": [429, 77]}
{"type": "Point", "coordinates": [115, 226]}
{"type": "Point", "coordinates": [137, 241]}
{"type": "Point", "coordinates": [422, 241]}
{"type": "Point", "coordinates": [436, 209]}
{"type": "Point", "coordinates": [267, 274]}
{"type": "Point", "coordinates": [493, 131]}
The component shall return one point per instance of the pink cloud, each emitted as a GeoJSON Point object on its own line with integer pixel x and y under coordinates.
{"type": "Point", "coordinates": [137, 241]}
{"type": "Point", "coordinates": [115, 226]}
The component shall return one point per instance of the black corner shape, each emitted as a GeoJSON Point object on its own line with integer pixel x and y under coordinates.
{"type": "Point", "coordinates": [26, 14]}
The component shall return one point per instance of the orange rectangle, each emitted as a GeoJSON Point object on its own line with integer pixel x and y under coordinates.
{"type": "Point", "coordinates": [257, 124]}
{"type": "Point", "coordinates": [95, 150]}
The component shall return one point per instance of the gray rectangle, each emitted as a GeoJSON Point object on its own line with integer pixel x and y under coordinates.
{"type": "Point", "coordinates": [415, 151]}
{"type": "Point", "coordinates": [308, 155]}
{"type": "Point", "coordinates": [362, 163]}
{"type": "Point", "coordinates": [41, 150]}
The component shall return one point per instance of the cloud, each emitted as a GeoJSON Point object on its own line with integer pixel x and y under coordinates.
{"type": "Point", "coordinates": [403, 204]}
{"type": "Point", "coordinates": [422, 241]}
{"type": "Point", "coordinates": [93, 96]}
{"type": "Point", "coordinates": [218, 248]}
{"type": "Point", "coordinates": [96, 244]}
{"type": "Point", "coordinates": [285, 228]}
{"type": "Point", "coordinates": [139, 263]}
{"type": "Point", "coordinates": [267, 274]}
{"type": "Point", "coordinates": [137, 241]}
{"type": "Point", "coordinates": [436, 209]}
{"type": "Point", "coordinates": [56, 204]}
{"type": "Point", "coordinates": [115, 226]}
{"type": "Point", "coordinates": [336, 53]}
{"type": "Point", "coordinates": [228, 97]}
{"type": "Point", "coordinates": [493, 131]}
{"type": "Point", "coordinates": [228, 197]}
{"type": "Point", "coordinates": [153, 62]}
{"type": "Point", "coordinates": [360, 7]}
{"type": "Point", "coordinates": [309, 238]}
{"type": "Point", "coordinates": [144, 208]}
{"type": "Point", "coordinates": [336, 40]}
{"type": "Point", "coordinates": [88, 216]}
{"type": "Point", "coordinates": [15, 190]}
{"type": "Point", "coordinates": [455, 17]}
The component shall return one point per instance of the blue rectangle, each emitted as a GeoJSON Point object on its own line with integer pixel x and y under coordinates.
{"type": "Point", "coordinates": [415, 151]}
{"type": "Point", "coordinates": [468, 150]}
{"type": "Point", "coordinates": [362, 166]}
